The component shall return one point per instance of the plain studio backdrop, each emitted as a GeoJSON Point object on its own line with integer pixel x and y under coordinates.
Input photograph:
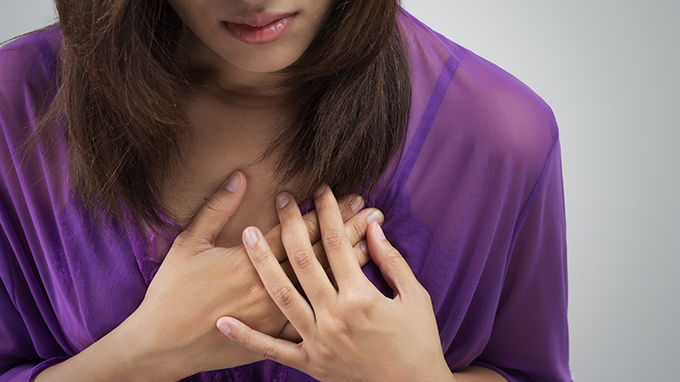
{"type": "Point", "coordinates": [609, 69]}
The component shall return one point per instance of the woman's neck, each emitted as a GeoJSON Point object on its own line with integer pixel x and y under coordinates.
{"type": "Point", "coordinates": [210, 69]}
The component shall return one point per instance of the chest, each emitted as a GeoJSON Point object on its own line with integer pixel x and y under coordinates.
{"type": "Point", "coordinates": [224, 138]}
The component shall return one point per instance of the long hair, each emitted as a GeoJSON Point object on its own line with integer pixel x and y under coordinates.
{"type": "Point", "coordinates": [123, 75]}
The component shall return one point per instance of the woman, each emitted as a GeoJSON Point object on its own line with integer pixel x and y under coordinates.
{"type": "Point", "coordinates": [115, 267]}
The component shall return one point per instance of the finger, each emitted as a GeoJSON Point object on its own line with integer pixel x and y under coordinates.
{"type": "Point", "coordinates": [349, 205]}
{"type": "Point", "coordinates": [361, 250]}
{"type": "Point", "coordinates": [301, 257]}
{"type": "Point", "coordinates": [393, 267]}
{"type": "Point", "coordinates": [289, 333]}
{"type": "Point", "coordinates": [356, 231]}
{"type": "Point", "coordinates": [278, 285]}
{"type": "Point", "coordinates": [341, 256]}
{"type": "Point", "coordinates": [275, 349]}
{"type": "Point", "coordinates": [218, 208]}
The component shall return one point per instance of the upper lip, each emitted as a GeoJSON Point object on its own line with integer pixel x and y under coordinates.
{"type": "Point", "coordinates": [260, 20]}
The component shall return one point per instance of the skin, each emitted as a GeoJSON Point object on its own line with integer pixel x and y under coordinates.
{"type": "Point", "coordinates": [350, 331]}
{"type": "Point", "coordinates": [174, 333]}
{"type": "Point", "coordinates": [236, 113]}
{"type": "Point", "coordinates": [347, 330]}
{"type": "Point", "coordinates": [241, 67]}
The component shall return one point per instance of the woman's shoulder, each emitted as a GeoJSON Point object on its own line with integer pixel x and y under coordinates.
{"type": "Point", "coordinates": [28, 81]}
{"type": "Point", "coordinates": [465, 98]}
{"type": "Point", "coordinates": [29, 62]}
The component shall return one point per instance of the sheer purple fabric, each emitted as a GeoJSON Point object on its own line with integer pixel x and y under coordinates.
{"type": "Point", "coordinates": [473, 200]}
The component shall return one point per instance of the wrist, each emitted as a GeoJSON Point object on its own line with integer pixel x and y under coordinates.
{"type": "Point", "coordinates": [142, 354]}
{"type": "Point", "coordinates": [437, 371]}
{"type": "Point", "coordinates": [112, 358]}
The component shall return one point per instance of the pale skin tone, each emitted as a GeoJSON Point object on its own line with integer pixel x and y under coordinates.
{"type": "Point", "coordinates": [174, 333]}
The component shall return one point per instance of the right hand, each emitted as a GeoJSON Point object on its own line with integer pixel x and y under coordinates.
{"type": "Point", "coordinates": [172, 334]}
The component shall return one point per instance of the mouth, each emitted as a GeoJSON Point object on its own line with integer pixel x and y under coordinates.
{"type": "Point", "coordinates": [258, 30]}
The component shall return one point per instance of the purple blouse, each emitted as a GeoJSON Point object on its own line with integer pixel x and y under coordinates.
{"type": "Point", "coordinates": [473, 200]}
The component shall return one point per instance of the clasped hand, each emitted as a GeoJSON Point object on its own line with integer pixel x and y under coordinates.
{"type": "Point", "coordinates": [350, 331]}
{"type": "Point", "coordinates": [172, 334]}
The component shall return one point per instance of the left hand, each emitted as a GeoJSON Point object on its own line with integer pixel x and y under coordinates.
{"type": "Point", "coordinates": [352, 331]}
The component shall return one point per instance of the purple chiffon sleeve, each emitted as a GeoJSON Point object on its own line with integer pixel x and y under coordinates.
{"type": "Point", "coordinates": [21, 93]}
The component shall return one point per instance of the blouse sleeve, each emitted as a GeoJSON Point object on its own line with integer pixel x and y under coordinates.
{"type": "Point", "coordinates": [18, 358]}
{"type": "Point", "coordinates": [529, 337]}
{"type": "Point", "coordinates": [27, 73]}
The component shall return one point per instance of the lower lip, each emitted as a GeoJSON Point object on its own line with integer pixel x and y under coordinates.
{"type": "Point", "coordinates": [260, 35]}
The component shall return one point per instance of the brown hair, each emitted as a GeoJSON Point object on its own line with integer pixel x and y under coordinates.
{"type": "Point", "coordinates": [122, 79]}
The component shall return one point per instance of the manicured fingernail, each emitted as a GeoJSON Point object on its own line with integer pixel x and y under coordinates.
{"type": "Point", "coordinates": [320, 191]}
{"type": "Point", "coordinates": [357, 204]}
{"type": "Point", "coordinates": [375, 216]}
{"type": "Point", "coordinates": [233, 183]}
{"type": "Point", "coordinates": [282, 200]}
{"type": "Point", "coordinates": [379, 232]}
{"type": "Point", "coordinates": [250, 237]}
{"type": "Point", "coordinates": [223, 326]}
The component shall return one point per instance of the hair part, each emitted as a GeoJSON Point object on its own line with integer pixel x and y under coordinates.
{"type": "Point", "coordinates": [123, 76]}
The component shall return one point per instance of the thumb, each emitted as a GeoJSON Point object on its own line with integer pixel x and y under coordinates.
{"type": "Point", "coordinates": [218, 209]}
{"type": "Point", "coordinates": [392, 265]}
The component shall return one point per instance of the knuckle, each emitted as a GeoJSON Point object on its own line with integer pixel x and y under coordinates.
{"type": "Point", "coordinates": [362, 306]}
{"type": "Point", "coordinates": [268, 351]}
{"type": "Point", "coordinates": [357, 302]}
{"type": "Point", "coordinates": [333, 240]}
{"type": "Point", "coordinates": [284, 295]}
{"type": "Point", "coordinates": [338, 326]}
{"type": "Point", "coordinates": [214, 204]}
{"type": "Point", "coordinates": [393, 255]}
{"type": "Point", "coordinates": [300, 258]}
{"type": "Point", "coordinates": [184, 240]}
{"type": "Point", "coordinates": [356, 230]}
{"type": "Point", "coordinates": [261, 257]}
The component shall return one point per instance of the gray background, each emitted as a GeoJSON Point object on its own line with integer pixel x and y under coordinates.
{"type": "Point", "coordinates": [609, 70]}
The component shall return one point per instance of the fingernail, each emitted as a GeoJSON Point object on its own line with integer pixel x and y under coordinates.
{"type": "Point", "coordinates": [282, 200]}
{"type": "Point", "coordinates": [363, 246]}
{"type": "Point", "coordinates": [320, 191]}
{"type": "Point", "coordinates": [223, 326]}
{"type": "Point", "coordinates": [233, 183]}
{"type": "Point", "coordinates": [375, 216]}
{"type": "Point", "coordinates": [357, 203]}
{"type": "Point", "coordinates": [250, 237]}
{"type": "Point", "coordinates": [379, 232]}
